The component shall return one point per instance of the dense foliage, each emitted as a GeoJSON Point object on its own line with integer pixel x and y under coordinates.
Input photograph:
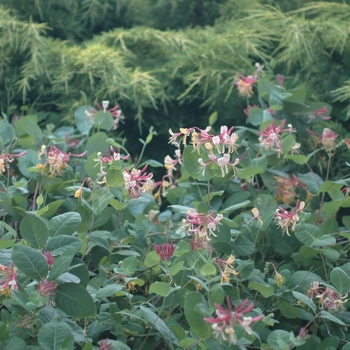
{"type": "Point", "coordinates": [240, 244]}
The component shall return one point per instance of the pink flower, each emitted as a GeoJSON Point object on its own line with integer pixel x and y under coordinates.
{"type": "Point", "coordinates": [245, 84]}
{"type": "Point", "coordinates": [224, 324]}
{"type": "Point", "coordinates": [202, 225]}
{"type": "Point", "coordinates": [328, 298]}
{"type": "Point", "coordinates": [49, 258]}
{"type": "Point", "coordinates": [319, 113]}
{"type": "Point", "coordinates": [56, 159]}
{"type": "Point", "coordinates": [8, 279]}
{"type": "Point", "coordinates": [270, 138]}
{"type": "Point", "coordinates": [165, 250]}
{"type": "Point", "coordinates": [8, 158]}
{"type": "Point", "coordinates": [71, 142]}
{"type": "Point", "coordinates": [138, 181]}
{"type": "Point", "coordinates": [111, 155]}
{"type": "Point", "coordinates": [280, 79]}
{"type": "Point", "coordinates": [288, 219]}
{"type": "Point", "coordinates": [327, 139]}
{"type": "Point", "coordinates": [105, 346]}
{"type": "Point", "coordinates": [46, 289]}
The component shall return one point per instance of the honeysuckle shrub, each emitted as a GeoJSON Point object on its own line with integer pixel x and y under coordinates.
{"type": "Point", "coordinates": [242, 243]}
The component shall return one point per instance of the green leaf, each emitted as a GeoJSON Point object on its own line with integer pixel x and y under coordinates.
{"type": "Point", "coordinates": [114, 177]}
{"type": "Point", "coordinates": [30, 262]}
{"type": "Point", "coordinates": [213, 118]}
{"type": "Point", "coordinates": [340, 280]}
{"type": "Point", "coordinates": [64, 224]}
{"type": "Point", "coordinates": [34, 231]}
{"type": "Point", "coordinates": [154, 320]}
{"type": "Point", "coordinates": [160, 288]}
{"type": "Point", "coordinates": [49, 210]}
{"type": "Point", "coordinates": [60, 244]}
{"type": "Point", "coordinates": [279, 340]}
{"type": "Point", "coordinates": [74, 300]}
{"type": "Point", "coordinates": [82, 121]}
{"type": "Point", "coordinates": [234, 207]}
{"type": "Point", "coordinates": [9, 228]}
{"type": "Point", "coordinates": [208, 269]}
{"type": "Point", "coordinates": [129, 265]}
{"type": "Point", "coordinates": [97, 143]}
{"type": "Point", "coordinates": [305, 300]}
{"type": "Point", "coordinates": [109, 290]}
{"type": "Point", "coordinates": [62, 263]}
{"type": "Point", "coordinates": [265, 290]}
{"type": "Point", "coordinates": [195, 319]}
{"type": "Point", "coordinates": [298, 159]}
{"type": "Point", "coordinates": [287, 143]}
{"type": "Point", "coordinates": [103, 120]}
{"type": "Point", "coordinates": [312, 236]}
{"type": "Point", "coordinates": [4, 332]}
{"type": "Point", "coordinates": [243, 246]}
{"type": "Point", "coordinates": [52, 334]}
{"type": "Point", "coordinates": [327, 315]}
{"type": "Point", "coordinates": [248, 172]}
{"type": "Point", "coordinates": [217, 296]}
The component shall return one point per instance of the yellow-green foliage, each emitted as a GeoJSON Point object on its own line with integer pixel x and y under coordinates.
{"type": "Point", "coordinates": [152, 72]}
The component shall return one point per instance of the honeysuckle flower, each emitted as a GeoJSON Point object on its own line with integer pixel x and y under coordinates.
{"type": "Point", "coordinates": [303, 334]}
{"type": "Point", "coordinates": [137, 181]}
{"type": "Point", "coordinates": [202, 225]}
{"type": "Point", "coordinates": [177, 138]}
{"type": "Point", "coordinates": [8, 279]}
{"type": "Point", "coordinates": [270, 138]}
{"type": "Point", "coordinates": [105, 346]}
{"type": "Point", "coordinates": [45, 288]}
{"type": "Point", "coordinates": [56, 159]}
{"type": "Point", "coordinates": [71, 142]}
{"type": "Point", "coordinates": [285, 189]}
{"type": "Point", "coordinates": [49, 257]}
{"type": "Point", "coordinates": [245, 84]}
{"type": "Point", "coordinates": [327, 138]}
{"type": "Point", "coordinates": [319, 113]}
{"type": "Point", "coordinates": [115, 112]}
{"type": "Point", "coordinates": [288, 219]}
{"type": "Point", "coordinates": [7, 158]}
{"type": "Point", "coordinates": [225, 321]}
{"type": "Point", "coordinates": [257, 216]}
{"type": "Point", "coordinates": [279, 279]}
{"type": "Point", "coordinates": [165, 250]}
{"type": "Point", "coordinates": [328, 298]}
{"type": "Point", "coordinates": [280, 79]}
{"type": "Point", "coordinates": [226, 268]}
{"type": "Point", "coordinates": [110, 156]}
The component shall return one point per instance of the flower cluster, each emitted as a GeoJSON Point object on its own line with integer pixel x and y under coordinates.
{"type": "Point", "coordinates": [202, 225]}
{"type": "Point", "coordinates": [288, 219]}
{"type": "Point", "coordinates": [115, 112]}
{"type": "Point", "coordinates": [165, 250]}
{"type": "Point", "coordinates": [226, 268]}
{"type": "Point", "coordinates": [46, 289]}
{"type": "Point", "coordinates": [270, 138]}
{"type": "Point", "coordinates": [285, 189]}
{"type": "Point", "coordinates": [224, 323]}
{"type": "Point", "coordinates": [245, 84]}
{"type": "Point", "coordinates": [8, 158]}
{"type": "Point", "coordinates": [328, 298]}
{"type": "Point", "coordinates": [223, 145]}
{"type": "Point", "coordinates": [138, 181]}
{"type": "Point", "coordinates": [56, 159]}
{"type": "Point", "coordinates": [327, 138]}
{"type": "Point", "coordinates": [319, 113]}
{"type": "Point", "coordinates": [8, 279]}
{"type": "Point", "coordinates": [107, 157]}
